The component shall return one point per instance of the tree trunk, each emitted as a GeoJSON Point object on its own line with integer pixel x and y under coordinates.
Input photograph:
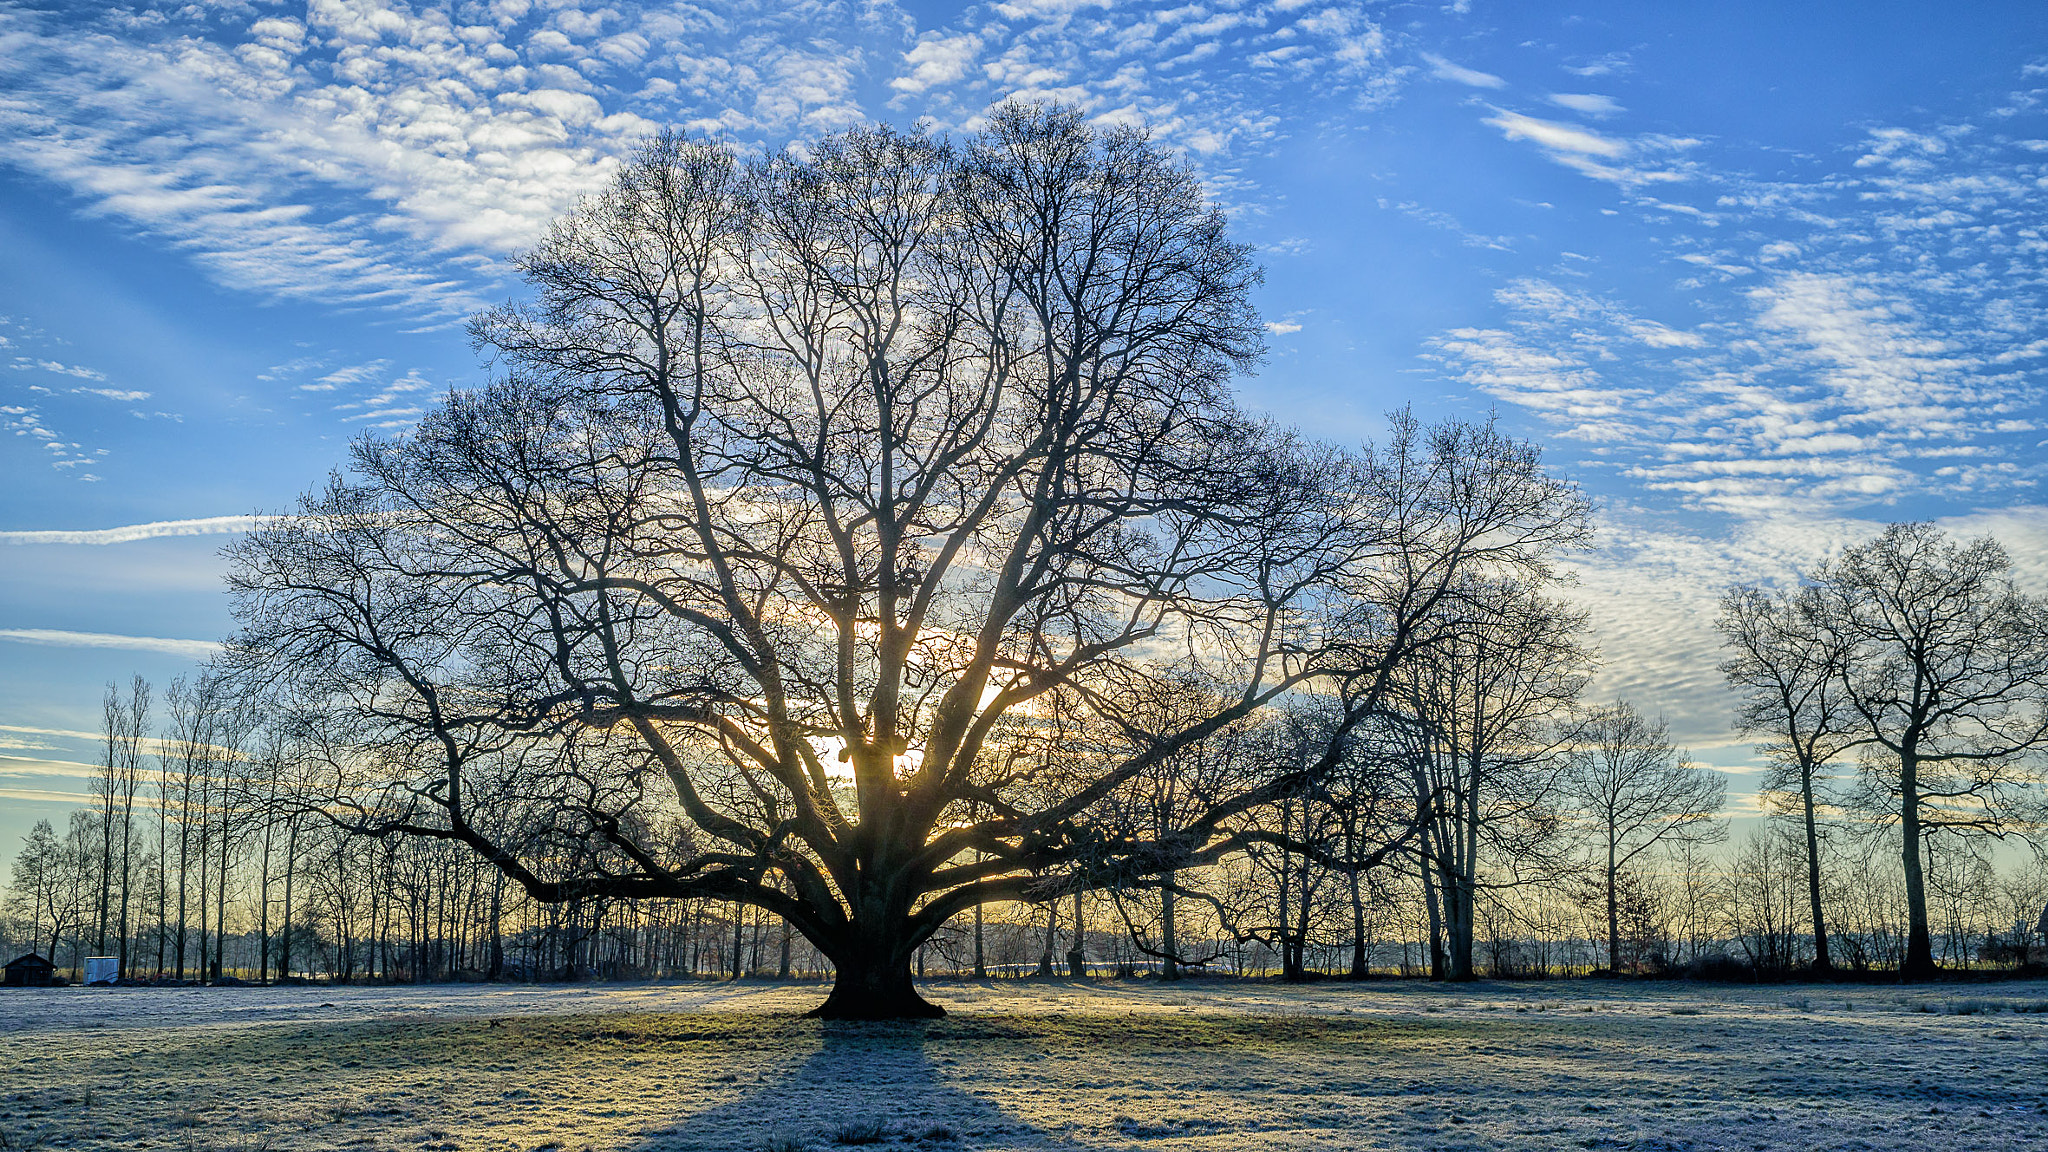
{"type": "Point", "coordinates": [1919, 963]}
{"type": "Point", "coordinates": [1463, 887]}
{"type": "Point", "coordinates": [184, 875]}
{"type": "Point", "coordinates": [1458, 896]}
{"type": "Point", "coordinates": [127, 854]}
{"type": "Point", "coordinates": [220, 902]}
{"type": "Point", "coordinates": [291, 867]}
{"type": "Point", "coordinates": [263, 909]}
{"type": "Point", "coordinates": [1169, 966]}
{"type": "Point", "coordinates": [873, 983]}
{"type": "Point", "coordinates": [1359, 966]}
{"type": "Point", "coordinates": [980, 952]}
{"type": "Point", "coordinates": [1296, 966]}
{"type": "Point", "coordinates": [1613, 917]}
{"type": "Point", "coordinates": [1821, 963]}
{"type": "Point", "coordinates": [1077, 957]}
{"type": "Point", "coordinates": [163, 870]}
{"type": "Point", "coordinates": [1432, 906]}
{"type": "Point", "coordinates": [497, 968]}
{"type": "Point", "coordinates": [1052, 919]}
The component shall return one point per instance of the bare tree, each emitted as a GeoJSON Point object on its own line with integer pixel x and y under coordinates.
{"type": "Point", "coordinates": [1789, 666]}
{"type": "Point", "coordinates": [187, 759]}
{"type": "Point", "coordinates": [123, 728]}
{"type": "Point", "coordinates": [1638, 793]}
{"type": "Point", "coordinates": [1160, 800]}
{"type": "Point", "coordinates": [1487, 699]}
{"type": "Point", "coordinates": [819, 491]}
{"type": "Point", "coordinates": [45, 887]}
{"type": "Point", "coordinates": [1759, 899]}
{"type": "Point", "coordinates": [1944, 674]}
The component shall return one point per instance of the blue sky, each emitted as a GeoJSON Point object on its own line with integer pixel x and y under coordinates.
{"type": "Point", "coordinates": [1760, 276]}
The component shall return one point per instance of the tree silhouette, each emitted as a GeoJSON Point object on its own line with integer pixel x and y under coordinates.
{"type": "Point", "coordinates": [832, 523]}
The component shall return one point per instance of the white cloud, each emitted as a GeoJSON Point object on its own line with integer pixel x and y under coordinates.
{"type": "Point", "coordinates": [937, 60]}
{"type": "Point", "coordinates": [394, 156]}
{"type": "Point", "coordinates": [1606, 65]}
{"type": "Point", "coordinates": [40, 795]}
{"type": "Point", "coordinates": [29, 363]}
{"type": "Point", "coordinates": [1654, 586]}
{"type": "Point", "coordinates": [1813, 392]}
{"type": "Point", "coordinates": [1585, 103]}
{"type": "Point", "coordinates": [1629, 164]}
{"type": "Point", "coordinates": [67, 733]}
{"type": "Point", "coordinates": [1053, 10]}
{"type": "Point", "coordinates": [123, 395]}
{"type": "Point", "coordinates": [60, 769]}
{"type": "Point", "coordinates": [1443, 69]}
{"type": "Point", "coordinates": [1557, 137]}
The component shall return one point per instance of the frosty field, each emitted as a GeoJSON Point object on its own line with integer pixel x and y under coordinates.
{"type": "Point", "coordinates": [1029, 1065]}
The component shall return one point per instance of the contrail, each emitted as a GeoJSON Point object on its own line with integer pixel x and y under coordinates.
{"type": "Point", "coordinates": [203, 526]}
{"type": "Point", "coordinates": [196, 649]}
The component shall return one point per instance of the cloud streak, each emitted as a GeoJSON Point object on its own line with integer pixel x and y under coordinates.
{"type": "Point", "coordinates": [1443, 69]}
{"type": "Point", "coordinates": [54, 637]}
{"type": "Point", "coordinates": [201, 526]}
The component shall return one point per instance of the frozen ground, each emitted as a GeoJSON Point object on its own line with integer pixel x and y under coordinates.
{"type": "Point", "coordinates": [1030, 1065]}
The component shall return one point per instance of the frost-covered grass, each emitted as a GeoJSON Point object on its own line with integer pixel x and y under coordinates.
{"type": "Point", "coordinates": [1029, 1065]}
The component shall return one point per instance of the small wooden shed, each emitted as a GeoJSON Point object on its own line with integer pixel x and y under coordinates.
{"type": "Point", "coordinates": [30, 971]}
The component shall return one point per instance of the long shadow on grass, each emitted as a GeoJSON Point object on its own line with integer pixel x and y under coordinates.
{"type": "Point", "coordinates": [862, 1084]}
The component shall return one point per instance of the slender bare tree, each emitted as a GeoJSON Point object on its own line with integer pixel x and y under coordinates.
{"type": "Point", "coordinates": [1789, 666]}
{"type": "Point", "coordinates": [1638, 793]}
{"type": "Point", "coordinates": [124, 726]}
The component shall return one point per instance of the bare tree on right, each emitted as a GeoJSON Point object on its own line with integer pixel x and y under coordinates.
{"type": "Point", "coordinates": [1944, 675]}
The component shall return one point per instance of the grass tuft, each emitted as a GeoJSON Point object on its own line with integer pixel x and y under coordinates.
{"type": "Point", "coordinates": [867, 1131]}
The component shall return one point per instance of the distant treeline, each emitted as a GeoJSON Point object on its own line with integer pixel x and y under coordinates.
{"type": "Point", "coordinates": [1481, 820]}
{"type": "Point", "coordinates": [314, 902]}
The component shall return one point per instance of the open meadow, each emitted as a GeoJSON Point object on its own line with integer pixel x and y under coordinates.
{"type": "Point", "coordinates": [1030, 1065]}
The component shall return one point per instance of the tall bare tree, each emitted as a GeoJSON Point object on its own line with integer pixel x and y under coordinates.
{"type": "Point", "coordinates": [1637, 793]}
{"type": "Point", "coordinates": [188, 758]}
{"type": "Point", "coordinates": [1789, 666]}
{"type": "Point", "coordinates": [1943, 669]}
{"type": "Point", "coordinates": [124, 727]}
{"type": "Point", "coordinates": [820, 489]}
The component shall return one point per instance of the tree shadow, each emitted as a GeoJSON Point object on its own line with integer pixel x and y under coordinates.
{"type": "Point", "coordinates": [848, 1084]}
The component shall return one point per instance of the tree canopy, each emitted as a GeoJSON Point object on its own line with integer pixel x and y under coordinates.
{"type": "Point", "coordinates": [832, 531]}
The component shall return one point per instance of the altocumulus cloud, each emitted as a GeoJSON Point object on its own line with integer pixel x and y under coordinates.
{"type": "Point", "coordinates": [1864, 329]}
{"type": "Point", "coordinates": [395, 155]}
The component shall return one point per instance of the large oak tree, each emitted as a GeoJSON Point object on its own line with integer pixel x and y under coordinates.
{"type": "Point", "coordinates": [830, 526]}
